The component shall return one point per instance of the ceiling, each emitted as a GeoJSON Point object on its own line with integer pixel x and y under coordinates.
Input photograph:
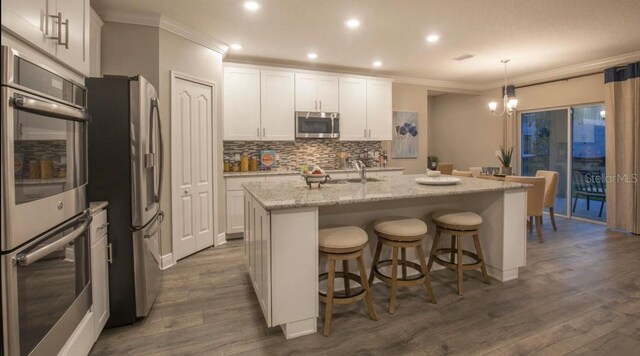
{"type": "Point", "coordinates": [538, 36]}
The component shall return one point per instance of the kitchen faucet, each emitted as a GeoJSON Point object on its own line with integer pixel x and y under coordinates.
{"type": "Point", "coordinates": [362, 170]}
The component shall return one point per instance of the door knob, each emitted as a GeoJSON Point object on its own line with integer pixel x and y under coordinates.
{"type": "Point", "coordinates": [186, 191]}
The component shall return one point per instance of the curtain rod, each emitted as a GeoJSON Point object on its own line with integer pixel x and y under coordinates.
{"type": "Point", "coordinates": [558, 80]}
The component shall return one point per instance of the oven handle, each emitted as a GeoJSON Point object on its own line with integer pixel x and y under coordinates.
{"type": "Point", "coordinates": [25, 259]}
{"type": "Point", "coordinates": [42, 107]}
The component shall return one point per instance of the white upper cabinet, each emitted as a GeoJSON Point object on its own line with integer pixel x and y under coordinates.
{"type": "Point", "coordinates": [59, 28]}
{"type": "Point", "coordinates": [353, 109]}
{"type": "Point", "coordinates": [277, 104]}
{"type": "Point", "coordinates": [242, 104]}
{"type": "Point", "coordinates": [379, 110]}
{"type": "Point", "coordinates": [31, 20]}
{"type": "Point", "coordinates": [328, 93]}
{"type": "Point", "coordinates": [75, 34]}
{"type": "Point", "coordinates": [306, 92]}
{"type": "Point", "coordinates": [317, 92]}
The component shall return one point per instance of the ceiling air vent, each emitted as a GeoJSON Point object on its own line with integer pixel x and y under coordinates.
{"type": "Point", "coordinates": [463, 57]}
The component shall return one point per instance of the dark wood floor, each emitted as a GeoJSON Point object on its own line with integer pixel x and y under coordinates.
{"type": "Point", "coordinates": [579, 294]}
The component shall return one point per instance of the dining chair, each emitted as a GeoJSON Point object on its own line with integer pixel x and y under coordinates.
{"type": "Point", "coordinates": [445, 168]}
{"type": "Point", "coordinates": [535, 200]}
{"type": "Point", "coordinates": [458, 173]}
{"type": "Point", "coordinates": [589, 184]}
{"type": "Point", "coordinates": [550, 188]}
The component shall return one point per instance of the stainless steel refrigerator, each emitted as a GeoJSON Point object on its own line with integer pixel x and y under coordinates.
{"type": "Point", "coordinates": [125, 166]}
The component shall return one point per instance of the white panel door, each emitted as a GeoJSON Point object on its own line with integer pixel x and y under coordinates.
{"type": "Point", "coordinates": [241, 104]}
{"type": "Point", "coordinates": [76, 53]}
{"type": "Point", "coordinates": [353, 109]}
{"type": "Point", "coordinates": [235, 211]}
{"type": "Point", "coordinates": [100, 284]}
{"type": "Point", "coordinates": [328, 89]}
{"type": "Point", "coordinates": [379, 111]}
{"type": "Point", "coordinates": [277, 106]}
{"type": "Point", "coordinates": [306, 92]}
{"type": "Point", "coordinates": [29, 19]}
{"type": "Point", "coordinates": [191, 153]}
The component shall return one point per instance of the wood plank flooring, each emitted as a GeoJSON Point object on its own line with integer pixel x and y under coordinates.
{"type": "Point", "coordinates": [579, 294]}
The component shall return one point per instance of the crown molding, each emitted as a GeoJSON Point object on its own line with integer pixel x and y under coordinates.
{"type": "Point", "coordinates": [440, 85]}
{"type": "Point", "coordinates": [572, 70]}
{"type": "Point", "coordinates": [167, 24]}
{"type": "Point", "coordinates": [95, 17]}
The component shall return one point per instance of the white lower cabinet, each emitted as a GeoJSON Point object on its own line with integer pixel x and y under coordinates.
{"type": "Point", "coordinates": [100, 259]}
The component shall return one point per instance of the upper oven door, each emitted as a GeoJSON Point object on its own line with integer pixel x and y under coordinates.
{"type": "Point", "coordinates": [44, 148]}
{"type": "Point", "coordinates": [308, 126]}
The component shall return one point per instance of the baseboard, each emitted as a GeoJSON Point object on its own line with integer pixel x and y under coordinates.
{"type": "Point", "coordinates": [220, 239]}
{"type": "Point", "coordinates": [166, 261]}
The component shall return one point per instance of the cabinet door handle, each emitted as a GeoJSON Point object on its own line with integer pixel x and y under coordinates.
{"type": "Point", "coordinates": [369, 133]}
{"type": "Point", "coordinates": [264, 131]}
{"type": "Point", "coordinates": [257, 132]}
{"type": "Point", "coordinates": [58, 24]}
{"type": "Point", "coordinates": [320, 104]}
{"type": "Point", "coordinates": [365, 132]}
{"type": "Point", "coordinates": [316, 104]}
{"type": "Point", "coordinates": [109, 253]}
{"type": "Point", "coordinates": [66, 34]}
{"type": "Point", "coordinates": [103, 226]}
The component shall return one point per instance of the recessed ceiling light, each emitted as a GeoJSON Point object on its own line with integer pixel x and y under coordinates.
{"type": "Point", "coordinates": [251, 5]}
{"type": "Point", "coordinates": [353, 23]}
{"type": "Point", "coordinates": [236, 46]}
{"type": "Point", "coordinates": [377, 63]}
{"type": "Point", "coordinates": [312, 55]}
{"type": "Point", "coordinates": [433, 38]}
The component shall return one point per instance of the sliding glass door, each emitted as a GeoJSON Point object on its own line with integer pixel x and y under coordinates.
{"type": "Point", "coordinates": [543, 146]}
{"type": "Point", "coordinates": [570, 141]}
{"type": "Point", "coordinates": [588, 190]}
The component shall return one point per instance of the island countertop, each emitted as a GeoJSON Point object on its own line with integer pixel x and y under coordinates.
{"type": "Point", "coordinates": [286, 195]}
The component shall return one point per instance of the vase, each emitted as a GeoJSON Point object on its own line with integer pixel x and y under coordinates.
{"type": "Point", "coordinates": [506, 171]}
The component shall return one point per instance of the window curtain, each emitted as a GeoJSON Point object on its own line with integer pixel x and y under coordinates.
{"type": "Point", "coordinates": [622, 105]}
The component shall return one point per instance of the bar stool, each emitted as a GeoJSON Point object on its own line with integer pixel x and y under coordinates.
{"type": "Point", "coordinates": [344, 244]}
{"type": "Point", "coordinates": [401, 233]}
{"type": "Point", "coordinates": [458, 224]}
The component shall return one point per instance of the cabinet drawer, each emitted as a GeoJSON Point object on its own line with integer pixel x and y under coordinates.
{"type": "Point", "coordinates": [236, 183]}
{"type": "Point", "coordinates": [98, 226]}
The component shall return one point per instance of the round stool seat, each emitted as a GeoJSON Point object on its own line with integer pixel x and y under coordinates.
{"type": "Point", "coordinates": [343, 239]}
{"type": "Point", "coordinates": [400, 227]}
{"type": "Point", "coordinates": [457, 219]}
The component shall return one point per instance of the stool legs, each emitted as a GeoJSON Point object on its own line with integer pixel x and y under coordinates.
{"type": "Point", "coordinates": [483, 268]}
{"type": "Point", "coordinates": [460, 265]}
{"type": "Point", "coordinates": [403, 252]}
{"type": "Point", "coordinates": [425, 271]}
{"type": "Point", "coordinates": [453, 249]}
{"type": "Point", "coordinates": [376, 258]}
{"type": "Point", "coordinates": [345, 278]}
{"type": "Point", "coordinates": [329, 305]}
{"type": "Point", "coordinates": [365, 285]}
{"type": "Point", "coordinates": [434, 248]}
{"type": "Point", "coordinates": [394, 281]}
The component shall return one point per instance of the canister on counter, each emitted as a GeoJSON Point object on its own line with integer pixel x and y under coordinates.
{"type": "Point", "coordinates": [253, 163]}
{"type": "Point", "coordinates": [236, 166]}
{"type": "Point", "coordinates": [244, 163]}
{"type": "Point", "coordinates": [227, 165]}
{"type": "Point", "coordinates": [46, 169]}
{"type": "Point", "coordinates": [34, 169]}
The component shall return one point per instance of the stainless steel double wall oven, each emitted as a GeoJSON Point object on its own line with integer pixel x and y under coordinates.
{"type": "Point", "coordinates": [46, 287]}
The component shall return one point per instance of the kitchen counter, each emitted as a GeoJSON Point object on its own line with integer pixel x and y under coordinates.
{"type": "Point", "coordinates": [288, 172]}
{"type": "Point", "coordinates": [283, 195]}
{"type": "Point", "coordinates": [282, 220]}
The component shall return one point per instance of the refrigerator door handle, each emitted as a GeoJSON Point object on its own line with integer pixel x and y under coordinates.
{"type": "Point", "coordinates": [157, 191]}
{"type": "Point", "coordinates": [159, 221]}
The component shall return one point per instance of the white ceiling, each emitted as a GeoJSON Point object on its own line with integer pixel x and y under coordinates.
{"type": "Point", "coordinates": [537, 35]}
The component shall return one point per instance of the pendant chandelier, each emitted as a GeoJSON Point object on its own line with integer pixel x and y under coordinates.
{"type": "Point", "coordinates": [509, 101]}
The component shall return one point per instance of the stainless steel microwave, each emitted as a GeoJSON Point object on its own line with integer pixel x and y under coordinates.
{"type": "Point", "coordinates": [317, 124]}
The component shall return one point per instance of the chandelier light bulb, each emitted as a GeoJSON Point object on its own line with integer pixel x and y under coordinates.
{"type": "Point", "coordinates": [493, 106]}
{"type": "Point", "coordinates": [512, 103]}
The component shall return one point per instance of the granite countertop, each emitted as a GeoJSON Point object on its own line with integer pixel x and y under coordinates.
{"type": "Point", "coordinates": [97, 206]}
{"type": "Point", "coordinates": [282, 195]}
{"type": "Point", "coordinates": [290, 172]}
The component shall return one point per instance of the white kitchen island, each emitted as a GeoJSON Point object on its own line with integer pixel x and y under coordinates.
{"type": "Point", "coordinates": [282, 221]}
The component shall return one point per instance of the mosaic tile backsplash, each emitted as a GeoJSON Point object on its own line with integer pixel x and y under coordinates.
{"type": "Point", "coordinates": [291, 155]}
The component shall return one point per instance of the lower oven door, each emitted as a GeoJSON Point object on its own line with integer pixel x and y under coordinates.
{"type": "Point", "coordinates": [47, 290]}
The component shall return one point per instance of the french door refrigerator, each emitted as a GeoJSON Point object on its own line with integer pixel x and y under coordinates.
{"type": "Point", "coordinates": [125, 166]}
